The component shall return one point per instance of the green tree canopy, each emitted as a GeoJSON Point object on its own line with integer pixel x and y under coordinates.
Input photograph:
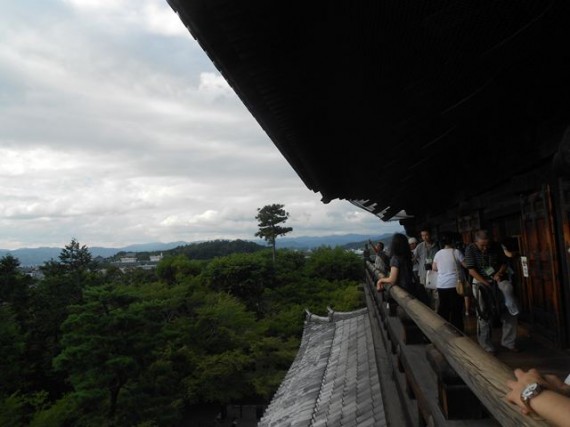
{"type": "Point", "coordinates": [241, 275]}
{"type": "Point", "coordinates": [75, 257]}
{"type": "Point", "coordinates": [334, 264]}
{"type": "Point", "coordinates": [141, 347]}
{"type": "Point", "coordinates": [12, 347]}
{"type": "Point", "coordinates": [107, 342]}
{"type": "Point", "coordinates": [14, 286]}
{"type": "Point", "coordinates": [173, 269]}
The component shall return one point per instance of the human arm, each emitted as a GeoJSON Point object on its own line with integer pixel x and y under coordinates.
{"type": "Point", "coordinates": [389, 280]}
{"type": "Point", "coordinates": [498, 276]}
{"type": "Point", "coordinates": [508, 254]}
{"type": "Point", "coordinates": [502, 264]}
{"type": "Point", "coordinates": [475, 274]}
{"type": "Point", "coordinates": [460, 258]}
{"type": "Point", "coordinates": [551, 404]}
{"type": "Point", "coordinates": [374, 247]}
{"type": "Point", "coordinates": [556, 384]}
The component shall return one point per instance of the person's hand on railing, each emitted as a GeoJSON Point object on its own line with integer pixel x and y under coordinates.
{"type": "Point", "coordinates": [544, 395]}
{"type": "Point", "coordinates": [517, 386]}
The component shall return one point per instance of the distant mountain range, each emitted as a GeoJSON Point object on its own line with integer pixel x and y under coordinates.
{"type": "Point", "coordinates": [38, 256]}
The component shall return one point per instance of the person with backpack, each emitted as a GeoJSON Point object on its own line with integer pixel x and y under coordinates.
{"type": "Point", "coordinates": [487, 266]}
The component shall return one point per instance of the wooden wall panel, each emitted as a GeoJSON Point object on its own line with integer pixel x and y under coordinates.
{"type": "Point", "coordinates": [541, 290]}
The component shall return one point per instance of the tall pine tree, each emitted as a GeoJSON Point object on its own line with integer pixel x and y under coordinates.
{"type": "Point", "coordinates": [269, 218]}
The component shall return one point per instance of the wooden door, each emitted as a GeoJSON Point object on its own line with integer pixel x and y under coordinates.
{"type": "Point", "coordinates": [564, 248]}
{"type": "Point", "coordinates": [541, 289]}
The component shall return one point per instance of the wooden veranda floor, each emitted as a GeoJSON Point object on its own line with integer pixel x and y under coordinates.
{"type": "Point", "coordinates": [534, 352]}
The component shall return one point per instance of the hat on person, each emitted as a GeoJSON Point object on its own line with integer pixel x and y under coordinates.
{"type": "Point", "coordinates": [412, 240]}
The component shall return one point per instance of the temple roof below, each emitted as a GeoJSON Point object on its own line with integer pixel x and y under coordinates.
{"type": "Point", "coordinates": [333, 381]}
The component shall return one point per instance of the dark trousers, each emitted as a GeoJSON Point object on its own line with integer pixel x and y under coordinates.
{"type": "Point", "coordinates": [451, 307]}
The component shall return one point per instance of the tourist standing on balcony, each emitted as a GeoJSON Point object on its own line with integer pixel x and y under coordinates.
{"type": "Point", "coordinates": [486, 263]}
{"type": "Point", "coordinates": [448, 263]}
{"type": "Point", "coordinates": [381, 261]}
{"type": "Point", "coordinates": [424, 253]}
{"type": "Point", "coordinates": [400, 265]}
{"type": "Point", "coordinates": [413, 242]}
{"type": "Point", "coordinates": [401, 273]}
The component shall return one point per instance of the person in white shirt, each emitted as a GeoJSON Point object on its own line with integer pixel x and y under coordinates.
{"type": "Point", "coordinates": [448, 262]}
{"type": "Point", "coordinates": [424, 253]}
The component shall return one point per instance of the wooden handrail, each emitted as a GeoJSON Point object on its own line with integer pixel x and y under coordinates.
{"type": "Point", "coordinates": [485, 375]}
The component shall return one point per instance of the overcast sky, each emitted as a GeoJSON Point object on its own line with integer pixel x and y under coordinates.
{"type": "Point", "coordinates": [115, 128]}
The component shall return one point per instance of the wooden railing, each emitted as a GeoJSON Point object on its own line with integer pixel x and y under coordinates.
{"type": "Point", "coordinates": [482, 373]}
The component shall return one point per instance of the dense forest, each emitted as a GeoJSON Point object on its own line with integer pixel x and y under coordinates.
{"type": "Point", "coordinates": [94, 346]}
{"type": "Point", "coordinates": [204, 250]}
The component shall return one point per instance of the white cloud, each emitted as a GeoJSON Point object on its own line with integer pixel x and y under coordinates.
{"type": "Point", "coordinates": [214, 85]}
{"type": "Point", "coordinates": [117, 129]}
{"type": "Point", "coordinates": [155, 16]}
{"type": "Point", "coordinates": [93, 5]}
{"type": "Point", "coordinates": [160, 19]}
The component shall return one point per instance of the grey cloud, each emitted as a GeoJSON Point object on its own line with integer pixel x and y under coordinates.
{"type": "Point", "coordinates": [115, 131]}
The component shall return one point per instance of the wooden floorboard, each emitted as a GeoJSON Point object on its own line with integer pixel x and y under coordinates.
{"type": "Point", "coordinates": [534, 353]}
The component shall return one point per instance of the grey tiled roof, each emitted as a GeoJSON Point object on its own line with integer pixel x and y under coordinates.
{"type": "Point", "coordinates": [333, 380]}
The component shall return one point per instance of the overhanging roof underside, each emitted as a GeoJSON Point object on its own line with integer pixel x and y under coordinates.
{"type": "Point", "coordinates": [383, 101]}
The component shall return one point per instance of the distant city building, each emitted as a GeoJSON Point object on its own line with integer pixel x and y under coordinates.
{"type": "Point", "coordinates": [156, 258]}
{"type": "Point", "coordinates": [130, 261]}
{"type": "Point", "coordinates": [33, 272]}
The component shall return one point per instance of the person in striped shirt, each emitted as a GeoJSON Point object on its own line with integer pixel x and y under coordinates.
{"type": "Point", "coordinates": [486, 263]}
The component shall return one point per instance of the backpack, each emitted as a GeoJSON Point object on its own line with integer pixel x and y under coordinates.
{"type": "Point", "coordinates": [493, 306]}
